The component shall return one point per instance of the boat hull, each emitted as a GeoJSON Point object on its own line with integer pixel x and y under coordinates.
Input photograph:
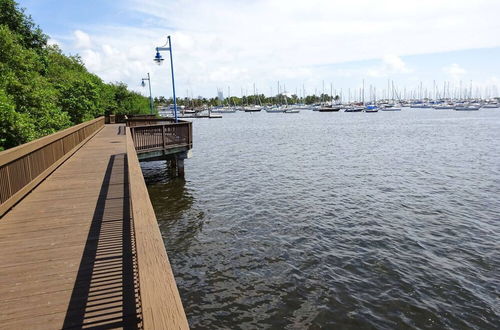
{"type": "Point", "coordinates": [328, 110]}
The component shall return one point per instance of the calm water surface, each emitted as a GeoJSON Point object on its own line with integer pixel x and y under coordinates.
{"type": "Point", "coordinates": [337, 220]}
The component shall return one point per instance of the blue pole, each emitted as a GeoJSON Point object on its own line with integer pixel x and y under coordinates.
{"type": "Point", "coordinates": [150, 95]}
{"type": "Point", "coordinates": [173, 82]}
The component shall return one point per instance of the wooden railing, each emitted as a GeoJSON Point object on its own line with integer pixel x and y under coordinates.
{"type": "Point", "coordinates": [162, 136]}
{"type": "Point", "coordinates": [25, 166]}
{"type": "Point", "coordinates": [131, 122]}
{"type": "Point", "coordinates": [161, 305]}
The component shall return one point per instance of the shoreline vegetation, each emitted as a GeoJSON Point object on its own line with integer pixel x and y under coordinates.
{"type": "Point", "coordinates": [42, 90]}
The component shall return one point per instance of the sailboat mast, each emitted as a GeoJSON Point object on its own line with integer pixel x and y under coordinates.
{"type": "Point", "coordinates": [363, 96]}
{"type": "Point", "coordinates": [331, 92]}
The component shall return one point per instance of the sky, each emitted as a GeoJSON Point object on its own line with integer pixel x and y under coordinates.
{"type": "Point", "coordinates": [311, 46]}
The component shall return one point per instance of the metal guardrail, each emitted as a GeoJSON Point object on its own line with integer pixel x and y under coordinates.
{"type": "Point", "coordinates": [161, 305]}
{"type": "Point", "coordinates": [22, 168]}
{"type": "Point", "coordinates": [162, 136]}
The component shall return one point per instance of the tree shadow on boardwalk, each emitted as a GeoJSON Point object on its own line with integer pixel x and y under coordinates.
{"type": "Point", "coordinates": [105, 292]}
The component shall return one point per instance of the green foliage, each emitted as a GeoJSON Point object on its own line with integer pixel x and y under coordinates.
{"type": "Point", "coordinates": [13, 125]}
{"type": "Point", "coordinates": [16, 21]}
{"type": "Point", "coordinates": [129, 102]}
{"type": "Point", "coordinates": [247, 100]}
{"type": "Point", "coordinates": [42, 90]}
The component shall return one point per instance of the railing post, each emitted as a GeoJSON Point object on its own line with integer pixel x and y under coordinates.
{"type": "Point", "coordinates": [132, 135]}
{"type": "Point", "coordinates": [190, 134]}
{"type": "Point", "coordinates": [163, 133]}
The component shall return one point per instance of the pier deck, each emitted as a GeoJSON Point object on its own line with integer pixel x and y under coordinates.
{"type": "Point", "coordinates": [68, 249]}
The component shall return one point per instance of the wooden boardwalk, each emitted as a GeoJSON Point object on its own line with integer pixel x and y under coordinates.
{"type": "Point", "coordinates": [67, 250]}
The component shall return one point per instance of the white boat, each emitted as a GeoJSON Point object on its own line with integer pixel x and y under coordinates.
{"type": "Point", "coordinates": [490, 106]}
{"type": "Point", "coordinates": [292, 110]}
{"type": "Point", "coordinates": [224, 110]}
{"type": "Point", "coordinates": [354, 109]}
{"type": "Point", "coordinates": [390, 107]}
{"type": "Point", "coordinates": [467, 108]}
{"type": "Point", "coordinates": [419, 106]}
{"type": "Point", "coordinates": [275, 110]}
{"type": "Point", "coordinates": [443, 107]}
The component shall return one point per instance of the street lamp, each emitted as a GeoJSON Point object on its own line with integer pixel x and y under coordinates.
{"type": "Point", "coordinates": [150, 96]}
{"type": "Point", "coordinates": [158, 59]}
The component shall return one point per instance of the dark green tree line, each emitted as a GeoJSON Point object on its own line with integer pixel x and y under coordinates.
{"type": "Point", "coordinates": [42, 90]}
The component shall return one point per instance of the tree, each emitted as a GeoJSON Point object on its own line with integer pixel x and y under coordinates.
{"type": "Point", "coordinates": [42, 90]}
{"type": "Point", "coordinates": [14, 18]}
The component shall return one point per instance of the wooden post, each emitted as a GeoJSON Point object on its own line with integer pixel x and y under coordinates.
{"type": "Point", "coordinates": [163, 128]}
{"type": "Point", "coordinates": [180, 166]}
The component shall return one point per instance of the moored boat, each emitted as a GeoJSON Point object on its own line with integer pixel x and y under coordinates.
{"type": "Point", "coordinates": [390, 107]}
{"type": "Point", "coordinates": [490, 106]}
{"type": "Point", "coordinates": [354, 109]}
{"type": "Point", "coordinates": [466, 107]}
{"type": "Point", "coordinates": [274, 110]}
{"type": "Point", "coordinates": [329, 108]}
{"type": "Point", "coordinates": [255, 108]}
{"type": "Point", "coordinates": [443, 107]}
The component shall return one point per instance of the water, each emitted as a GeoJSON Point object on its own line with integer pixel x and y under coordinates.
{"type": "Point", "coordinates": [337, 220]}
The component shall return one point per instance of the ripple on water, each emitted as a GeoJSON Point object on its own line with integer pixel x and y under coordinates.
{"type": "Point", "coordinates": [325, 220]}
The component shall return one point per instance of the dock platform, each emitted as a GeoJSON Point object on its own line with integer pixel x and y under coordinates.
{"type": "Point", "coordinates": [83, 250]}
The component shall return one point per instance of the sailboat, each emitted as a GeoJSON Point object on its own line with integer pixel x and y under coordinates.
{"type": "Point", "coordinates": [391, 106]}
{"type": "Point", "coordinates": [467, 107]}
{"type": "Point", "coordinates": [274, 109]}
{"type": "Point", "coordinates": [255, 107]}
{"type": "Point", "coordinates": [370, 108]}
{"type": "Point", "coordinates": [490, 105]}
{"type": "Point", "coordinates": [354, 108]}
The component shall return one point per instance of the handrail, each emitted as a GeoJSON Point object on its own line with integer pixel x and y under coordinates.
{"type": "Point", "coordinates": [162, 136]}
{"type": "Point", "coordinates": [22, 168]}
{"type": "Point", "coordinates": [161, 305]}
{"type": "Point", "coordinates": [130, 122]}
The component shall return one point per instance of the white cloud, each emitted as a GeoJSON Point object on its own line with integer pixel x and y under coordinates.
{"type": "Point", "coordinates": [224, 42]}
{"type": "Point", "coordinates": [455, 71]}
{"type": "Point", "coordinates": [391, 65]}
{"type": "Point", "coordinates": [82, 40]}
{"type": "Point", "coordinates": [394, 64]}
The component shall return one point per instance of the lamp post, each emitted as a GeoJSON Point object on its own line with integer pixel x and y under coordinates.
{"type": "Point", "coordinates": [158, 59]}
{"type": "Point", "coordinates": [150, 96]}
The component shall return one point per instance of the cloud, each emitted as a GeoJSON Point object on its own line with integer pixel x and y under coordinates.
{"type": "Point", "coordinates": [224, 42]}
{"type": "Point", "coordinates": [454, 70]}
{"type": "Point", "coordinates": [391, 65]}
{"type": "Point", "coordinates": [82, 40]}
{"type": "Point", "coordinates": [394, 64]}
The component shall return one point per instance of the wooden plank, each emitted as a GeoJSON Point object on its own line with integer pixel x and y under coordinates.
{"type": "Point", "coordinates": [51, 261]}
{"type": "Point", "coordinates": [58, 269]}
{"type": "Point", "coordinates": [160, 301]}
{"type": "Point", "coordinates": [25, 149]}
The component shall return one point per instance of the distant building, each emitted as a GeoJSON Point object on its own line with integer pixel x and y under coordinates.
{"type": "Point", "coordinates": [220, 95]}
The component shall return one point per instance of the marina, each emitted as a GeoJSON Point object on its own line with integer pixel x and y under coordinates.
{"type": "Point", "coordinates": [124, 206]}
